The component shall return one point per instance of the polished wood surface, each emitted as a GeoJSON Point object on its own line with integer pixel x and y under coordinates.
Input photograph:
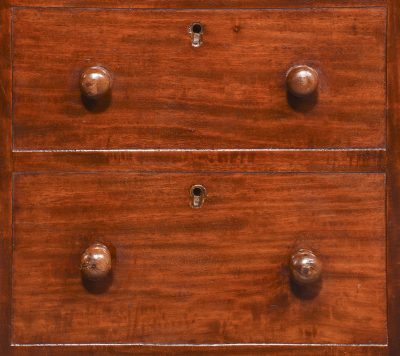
{"type": "Point", "coordinates": [200, 4]}
{"type": "Point", "coordinates": [5, 177]}
{"type": "Point", "coordinates": [393, 177]}
{"type": "Point", "coordinates": [362, 161]}
{"type": "Point", "coordinates": [218, 274]}
{"type": "Point", "coordinates": [46, 84]}
{"type": "Point", "coordinates": [168, 94]}
{"type": "Point", "coordinates": [237, 350]}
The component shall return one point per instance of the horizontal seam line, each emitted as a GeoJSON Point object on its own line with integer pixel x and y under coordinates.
{"type": "Point", "coordinates": [204, 150]}
{"type": "Point", "coordinates": [294, 8]}
{"type": "Point", "coordinates": [197, 345]}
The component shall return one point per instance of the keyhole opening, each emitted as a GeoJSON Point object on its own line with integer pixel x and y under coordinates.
{"type": "Point", "coordinates": [196, 33]}
{"type": "Point", "coordinates": [197, 191]}
{"type": "Point", "coordinates": [197, 28]}
{"type": "Point", "coordinates": [198, 194]}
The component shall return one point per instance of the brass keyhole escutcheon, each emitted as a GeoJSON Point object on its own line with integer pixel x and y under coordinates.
{"type": "Point", "coordinates": [197, 196]}
{"type": "Point", "coordinates": [196, 31]}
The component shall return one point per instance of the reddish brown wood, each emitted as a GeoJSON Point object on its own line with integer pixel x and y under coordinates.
{"type": "Point", "coordinates": [193, 4]}
{"type": "Point", "coordinates": [5, 177]}
{"type": "Point", "coordinates": [393, 177]}
{"type": "Point", "coordinates": [205, 161]}
{"type": "Point", "coordinates": [167, 94]}
{"type": "Point", "coordinates": [344, 161]}
{"type": "Point", "coordinates": [217, 274]}
{"type": "Point", "coordinates": [272, 350]}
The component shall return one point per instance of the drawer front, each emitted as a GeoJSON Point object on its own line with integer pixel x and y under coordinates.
{"type": "Point", "coordinates": [210, 275]}
{"type": "Point", "coordinates": [230, 92]}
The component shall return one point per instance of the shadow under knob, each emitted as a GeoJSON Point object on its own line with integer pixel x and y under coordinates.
{"type": "Point", "coordinates": [305, 267]}
{"type": "Point", "coordinates": [96, 262]}
{"type": "Point", "coordinates": [95, 82]}
{"type": "Point", "coordinates": [302, 80]}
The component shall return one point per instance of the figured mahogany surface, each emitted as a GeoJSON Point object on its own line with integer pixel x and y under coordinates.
{"type": "Point", "coordinates": [214, 275]}
{"type": "Point", "coordinates": [198, 4]}
{"type": "Point", "coordinates": [393, 177]}
{"type": "Point", "coordinates": [65, 200]}
{"type": "Point", "coordinates": [350, 161]}
{"type": "Point", "coordinates": [228, 93]}
{"type": "Point", "coordinates": [234, 350]}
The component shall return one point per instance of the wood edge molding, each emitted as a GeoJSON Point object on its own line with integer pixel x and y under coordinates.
{"type": "Point", "coordinates": [276, 350]}
{"type": "Point", "coordinates": [5, 177]}
{"type": "Point", "coordinates": [195, 4]}
{"type": "Point", "coordinates": [346, 161]}
{"type": "Point", "coordinates": [393, 176]}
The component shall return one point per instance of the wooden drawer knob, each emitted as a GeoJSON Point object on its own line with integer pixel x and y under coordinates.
{"type": "Point", "coordinates": [96, 262]}
{"type": "Point", "coordinates": [95, 82]}
{"type": "Point", "coordinates": [305, 267]}
{"type": "Point", "coordinates": [302, 80]}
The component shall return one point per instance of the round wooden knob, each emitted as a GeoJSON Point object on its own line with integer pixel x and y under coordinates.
{"type": "Point", "coordinates": [95, 82]}
{"type": "Point", "coordinates": [96, 262]}
{"type": "Point", "coordinates": [305, 267]}
{"type": "Point", "coordinates": [302, 80]}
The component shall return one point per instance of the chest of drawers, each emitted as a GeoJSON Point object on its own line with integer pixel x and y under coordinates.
{"type": "Point", "coordinates": [200, 177]}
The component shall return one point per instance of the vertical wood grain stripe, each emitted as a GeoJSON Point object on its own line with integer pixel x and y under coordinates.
{"type": "Point", "coordinates": [393, 177]}
{"type": "Point", "coordinates": [5, 176]}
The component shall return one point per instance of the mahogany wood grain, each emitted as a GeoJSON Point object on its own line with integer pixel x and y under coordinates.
{"type": "Point", "coordinates": [214, 275]}
{"type": "Point", "coordinates": [247, 161]}
{"type": "Point", "coordinates": [273, 350]}
{"type": "Point", "coordinates": [393, 177]}
{"type": "Point", "coordinates": [204, 161]}
{"type": "Point", "coordinates": [5, 177]}
{"type": "Point", "coordinates": [200, 4]}
{"type": "Point", "coordinates": [229, 93]}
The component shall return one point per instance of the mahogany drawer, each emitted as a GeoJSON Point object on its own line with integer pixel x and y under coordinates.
{"type": "Point", "coordinates": [229, 93]}
{"type": "Point", "coordinates": [217, 274]}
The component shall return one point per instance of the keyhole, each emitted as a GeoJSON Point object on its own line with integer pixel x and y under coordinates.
{"type": "Point", "coordinates": [197, 28]}
{"type": "Point", "coordinates": [196, 32]}
{"type": "Point", "coordinates": [197, 196]}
